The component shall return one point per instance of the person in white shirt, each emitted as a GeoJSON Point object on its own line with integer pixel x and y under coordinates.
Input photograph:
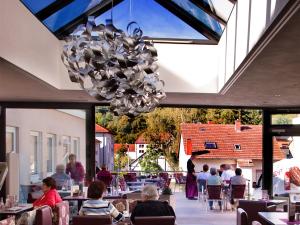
{"type": "Point", "coordinates": [227, 174]}
{"type": "Point", "coordinates": [202, 178]}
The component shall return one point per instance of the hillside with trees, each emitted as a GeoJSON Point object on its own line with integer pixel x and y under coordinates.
{"type": "Point", "coordinates": [161, 129]}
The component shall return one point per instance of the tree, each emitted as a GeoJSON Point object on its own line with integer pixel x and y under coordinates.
{"type": "Point", "coordinates": [149, 162]}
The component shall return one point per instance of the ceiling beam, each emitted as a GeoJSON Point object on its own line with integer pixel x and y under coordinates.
{"type": "Point", "coordinates": [190, 20]}
{"type": "Point", "coordinates": [233, 1]}
{"type": "Point", "coordinates": [52, 8]}
{"type": "Point", "coordinates": [101, 8]}
{"type": "Point", "coordinates": [206, 8]}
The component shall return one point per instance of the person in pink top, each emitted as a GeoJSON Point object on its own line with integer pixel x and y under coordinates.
{"type": "Point", "coordinates": [105, 176]}
{"type": "Point", "coordinates": [75, 170]}
{"type": "Point", "coordinates": [50, 196]}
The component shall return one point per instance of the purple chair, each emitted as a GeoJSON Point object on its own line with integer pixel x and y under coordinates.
{"type": "Point", "coordinates": [92, 220]}
{"type": "Point", "coordinates": [242, 217]}
{"type": "Point", "coordinates": [150, 220]}
{"type": "Point", "coordinates": [43, 216]}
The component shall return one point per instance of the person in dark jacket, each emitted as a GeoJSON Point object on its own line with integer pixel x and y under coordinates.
{"type": "Point", "coordinates": [191, 190]}
{"type": "Point", "coordinates": [150, 206]}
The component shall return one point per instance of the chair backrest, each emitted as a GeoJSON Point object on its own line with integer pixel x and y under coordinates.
{"type": "Point", "coordinates": [61, 213]}
{"type": "Point", "coordinates": [242, 218]}
{"type": "Point", "coordinates": [120, 204]}
{"type": "Point", "coordinates": [130, 177]}
{"type": "Point", "coordinates": [252, 208]}
{"type": "Point", "coordinates": [150, 220]}
{"type": "Point", "coordinates": [43, 216]}
{"type": "Point", "coordinates": [131, 204]}
{"type": "Point", "coordinates": [214, 191]}
{"type": "Point", "coordinates": [256, 223]}
{"type": "Point", "coordinates": [238, 191]}
{"type": "Point", "coordinates": [92, 220]}
{"type": "Point", "coordinates": [8, 221]}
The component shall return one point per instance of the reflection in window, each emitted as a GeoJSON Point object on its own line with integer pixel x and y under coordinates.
{"type": "Point", "coordinates": [66, 145]}
{"type": "Point", "coordinates": [51, 145]}
{"type": "Point", "coordinates": [76, 148]}
{"type": "Point", "coordinates": [36, 149]}
{"type": "Point", "coordinates": [11, 139]}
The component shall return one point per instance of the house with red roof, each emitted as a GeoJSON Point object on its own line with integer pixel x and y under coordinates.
{"type": "Point", "coordinates": [104, 147]}
{"type": "Point", "coordinates": [235, 144]}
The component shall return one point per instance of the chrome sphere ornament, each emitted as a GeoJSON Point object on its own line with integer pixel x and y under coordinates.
{"type": "Point", "coordinates": [116, 67]}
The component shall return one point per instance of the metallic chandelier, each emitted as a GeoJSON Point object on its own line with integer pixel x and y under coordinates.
{"type": "Point", "coordinates": [116, 67]}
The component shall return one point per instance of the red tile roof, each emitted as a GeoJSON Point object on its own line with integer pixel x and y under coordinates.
{"type": "Point", "coordinates": [250, 139]}
{"type": "Point", "coordinates": [141, 140]}
{"type": "Point", "coordinates": [131, 147]}
{"type": "Point", "coordinates": [99, 129]}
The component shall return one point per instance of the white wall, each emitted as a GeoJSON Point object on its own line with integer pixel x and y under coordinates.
{"type": "Point", "coordinates": [46, 121]}
{"type": "Point", "coordinates": [247, 23]}
{"type": "Point", "coordinates": [106, 150]}
{"type": "Point", "coordinates": [183, 158]}
{"type": "Point", "coordinates": [188, 68]}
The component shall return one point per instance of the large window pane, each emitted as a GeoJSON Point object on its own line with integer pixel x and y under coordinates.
{"type": "Point", "coordinates": [286, 166]}
{"type": "Point", "coordinates": [285, 119]}
{"type": "Point", "coordinates": [37, 5]}
{"type": "Point", "coordinates": [66, 143]}
{"type": "Point", "coordinates": [35, 148]}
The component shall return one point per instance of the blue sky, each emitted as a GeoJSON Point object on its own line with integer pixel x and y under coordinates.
{"type": "Point", "coordinates": [154, 20]}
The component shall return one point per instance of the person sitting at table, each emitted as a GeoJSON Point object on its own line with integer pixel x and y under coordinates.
{"type": "Point", "coordinates": [238, 179]}
{"type": "Point", "coordinates": [214, 179]}
{"type": "Point", "coordinates": [202, 178]}
{"type": "Point", "coordinates": [96, 205]}
{"type": "Point", "coordinates": [75, 170]}
{"type": "Point", "coordinates": [227, 174]}
{"type": "Point", "coordinates": [50, 196]}
{"type": "Point", "coordinates": [150, 206]}
{"type": "Point", "coordinates": [105, 176]}
{"type": "Point", "coordinates": [61, 178]}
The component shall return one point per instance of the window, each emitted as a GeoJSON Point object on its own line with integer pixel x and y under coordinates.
{"type": "Point", "coordinates": [11, 139]}
{"type": "Point", "coordinates": [141, 151]}
{"type": "Point", "coordinates": [66, 146]}
{"type": "Point", "coordinates": [51, 147]}
{"type": "Point", "coordinates": [76, 147]}
{"type": "Point", "coordinates": [141, 146]}
{"type": "Point", "coordinates": [237, 147]}
{"type": "Point", "coordinates": [210, 145]}
{"type": "Point", "coordinates": [35, 155]}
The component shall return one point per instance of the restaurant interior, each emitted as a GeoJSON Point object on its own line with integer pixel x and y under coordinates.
{"type": "Point", "coordinates": [61, 60]}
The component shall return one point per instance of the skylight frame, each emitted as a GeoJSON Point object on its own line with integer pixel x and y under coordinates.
{"type": "Point", "coordinates": [106, 5]}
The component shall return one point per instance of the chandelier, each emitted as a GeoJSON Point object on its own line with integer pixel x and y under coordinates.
{"type": "Point", "coordinates": [114, 66]}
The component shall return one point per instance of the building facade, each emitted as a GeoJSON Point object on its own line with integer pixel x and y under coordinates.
{"type": "Point", "coordinates": [235, 144]}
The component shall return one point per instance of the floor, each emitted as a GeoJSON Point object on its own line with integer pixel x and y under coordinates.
{"type": "Point", "coordinates": [190, 212]}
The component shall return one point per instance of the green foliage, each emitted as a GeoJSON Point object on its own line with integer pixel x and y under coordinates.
{"type": "Point", "coordinates": [122, 159]}
{"type": "Point", "coordinates": [161, 129]}
{"type": "Point", "coordinates": [149, 161]}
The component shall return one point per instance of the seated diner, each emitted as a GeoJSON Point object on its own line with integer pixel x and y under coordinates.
{"type": "Point", "coordinates": [50, 195]}
{"type": "Point", "coordinates": [63, 181]}
{"type": "Point", "coordinates": [150, 206]}
{"type": "Point", "coordinates": [96, 205]}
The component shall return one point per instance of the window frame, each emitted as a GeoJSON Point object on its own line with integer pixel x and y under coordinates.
{"type": "Point", "coordinates": [54, 149]}
{"type": "Point", "coordinates": [235, 147]}
{"type": "Point", "coordinates": [36, 176]}
{"type": "Point", "coordinates": [15, 139]}
{"type": "Point", "coordinates": [206, 143]}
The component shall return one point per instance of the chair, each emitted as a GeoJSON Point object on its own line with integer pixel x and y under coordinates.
{"type": "Point", "coordinates": [92, 220]}
{"type": "Point", "coordinates": [8, 221]}
{"type": "Point", "coordinates": [256, 223]}
{"type": "Point", "coordinates": [238, 191]}
{"type": "Point", "coordinates": [179, 180]}
{"type": "Point", "coordinates": [43, 216]}
{"type": "Point", "coordinates": [61, 213]}
{"type": "Point", "coordinates": [150, 220]}
{"type": "Point", "coordinates": [131, 205]}
{"type": "Point", "coordinates": [130, 177]}
{"type": "Point", "coordinates": [214, 194]}
{"type": "Point", "coordinates": [242, 217]}
{"type": "Point", "coordinates": [253, 207]}
{"type": "Point", "coordinates": [120, 204]}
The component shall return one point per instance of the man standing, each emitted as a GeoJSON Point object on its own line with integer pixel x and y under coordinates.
{"type": "Point", "coordinates": [75, 170]}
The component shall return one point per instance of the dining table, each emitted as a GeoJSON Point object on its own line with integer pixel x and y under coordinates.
{"type": "Point", "coordinates": [15, 210]}
{"type": "Point", "coordinates": [277, 218]}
